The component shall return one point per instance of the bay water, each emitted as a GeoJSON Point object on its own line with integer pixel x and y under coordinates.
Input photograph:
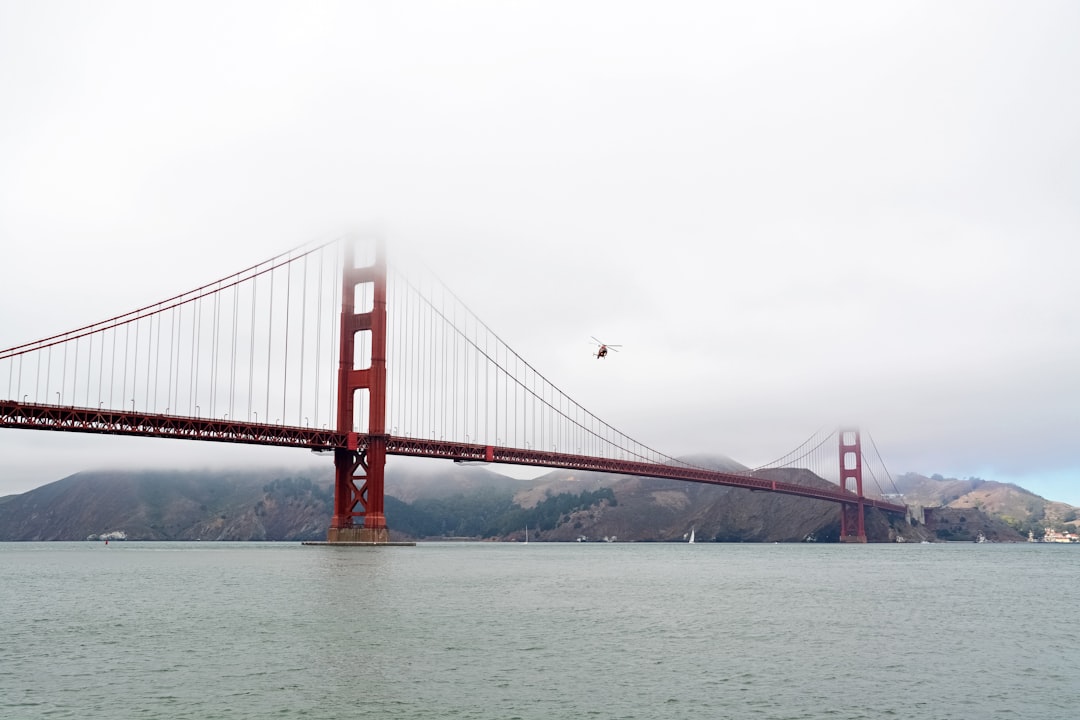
{"type": "Point", "coordinates": [539, 630]}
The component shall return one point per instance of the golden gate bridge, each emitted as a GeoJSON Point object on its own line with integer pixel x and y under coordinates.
{"type": "Point", "coordinates": [331, 348]}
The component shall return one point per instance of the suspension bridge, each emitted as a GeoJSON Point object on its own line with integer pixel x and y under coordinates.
{"type": "Point", "coordinates": [330, 348]}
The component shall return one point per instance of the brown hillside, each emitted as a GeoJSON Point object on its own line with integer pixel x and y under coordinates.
{"type": "Point", "coordinates": [1005, 501]}
{"type": "Point", "coordinates": [656, 510]}
{"type": "Point", "coordinates": [168, 506]}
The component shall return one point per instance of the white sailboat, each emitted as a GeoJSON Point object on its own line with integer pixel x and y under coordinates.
{"type": "Point", "coordinates": [691, 540]}
{"type": "Point", "coordinates": [526, 534]}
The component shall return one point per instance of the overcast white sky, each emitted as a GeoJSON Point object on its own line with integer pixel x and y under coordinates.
{"type": "Point", "coordinates": [790, 214]}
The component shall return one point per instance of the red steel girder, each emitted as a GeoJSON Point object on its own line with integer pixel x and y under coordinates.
{"type": "Point", "coordinates": [32, 416]}
{"type": "Point", "coordinates": [465, 452]}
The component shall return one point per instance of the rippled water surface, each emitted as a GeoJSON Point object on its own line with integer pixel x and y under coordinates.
{"type": "Point", "coordinates": [210, 630]}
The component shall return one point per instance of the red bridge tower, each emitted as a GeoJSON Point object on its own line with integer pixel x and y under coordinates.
{"type": "Point", "coordinates": [359, 469]}
{"type": "Point", "coordinates": [852, 514]}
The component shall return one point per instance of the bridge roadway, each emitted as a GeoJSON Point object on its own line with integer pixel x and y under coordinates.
{"type": "Point", "coordinates": [66, 418]}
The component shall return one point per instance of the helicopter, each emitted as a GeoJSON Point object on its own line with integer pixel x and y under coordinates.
{"type": "Point", "coordinates": [602, 349]}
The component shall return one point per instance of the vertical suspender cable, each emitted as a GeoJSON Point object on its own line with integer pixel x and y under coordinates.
{"type": "Point", "coordinates": [101, 367]}
{"type": "Point", "coordinates": [303, 336]}
{"type": "Point", "coordinates": [318, 340]}
{"type": "Point", "coordinates": [506, 396]}
{"type": "Point", "coordinates": [517, 369]}
{"type": "Point", "coordinates": [176, 391]}
{"type": "Point", "coordinates": [421, 365]}
{"type": "Point", "coordinates": [454, 402]}
{"type": "Point", "coordinates": [232, 352]}
{"type": "Point", "coordinates": [465, 377]}
{"type": "Point", "coordinates": [430, 356]}
{"type": "Point", "coordinates": [215, 353]}
{"type": "Point", "coordinates": [474, 356]}
{"type": "Point", "coordinates": [48, 376]}
{"type": "Point", "coordinates": [415, 354]}
{"type": "Point", "coordinates": [428, 363]}
{"type": "Point", "coordinates": [288, 307]}
{"type": "Point", "coordinates": [399, 355]}
{"type": "Point", "coordinates": [414, 374]}
{"type": "Point", "coordinates": [496, 397]}
{"type": "Point", "coordinates": [172, 345]}
{"type": "Point", "coordinates": [444, 345]}
{"type": "Point", "coordinates": [123, 388]}
{"type": "Point", "coordinates": [112, 373]}
{"type": "Point", "coordinates": [251, 344]}
{"type": "Point", "coordinates": [75, 375]}
{"type": "Point", "coordinates": [196, 358]}
{"type": "Point", "coordinates": [134, 364]}
{"type": "Point", "coordinates": [335, 337]}
{"type": "Point", "coordinates": [429, 369]}
{"type": "Point", "coordinates": [418, 369]}
{"type": "Point", "coordinates": [392, 349]}
{"type": "Point", "coordinates": [487, 370]}
{"type": "Point", "coordinates": [418, 360]}
{"type": "Point", "coordinates": [269, 343]}
{"type": "Point", "coordinates": [157, 345]}
{"type": "Point", "coordinates": [150, 368]}
{"type": "Point", "coordinates": [89, 370]}
{"type": "Point", "coordinates": [530, 401]}
{"type": "Point", "coordinates": [37, 381]}
{"type": "Point", "coordinates": [402, 359]}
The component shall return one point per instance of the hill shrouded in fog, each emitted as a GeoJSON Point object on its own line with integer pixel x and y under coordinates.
{"type": "Point", "coordinates": [474, 502]}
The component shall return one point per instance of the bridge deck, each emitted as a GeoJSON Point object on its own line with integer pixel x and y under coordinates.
{"type": "Point", "coordinates": [89, 420]}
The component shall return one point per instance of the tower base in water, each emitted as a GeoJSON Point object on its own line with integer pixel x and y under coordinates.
{"type": "Point", "coordinates": [380, 536]}
{"type": "Point", "coordinates": [359, 536]}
